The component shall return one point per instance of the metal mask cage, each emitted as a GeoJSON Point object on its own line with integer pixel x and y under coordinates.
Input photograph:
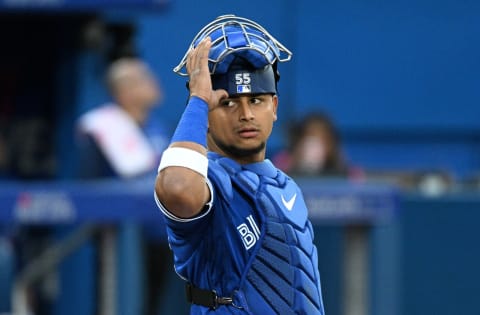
{"type": "Point", "coordinates": [258, 46]}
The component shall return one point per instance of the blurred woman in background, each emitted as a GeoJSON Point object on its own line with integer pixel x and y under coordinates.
{"type": "Point", "coordinates": [315, 150]}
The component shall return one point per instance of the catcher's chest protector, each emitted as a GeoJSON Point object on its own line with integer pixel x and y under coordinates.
{"type": "Point", "coordinates": [282, 275]}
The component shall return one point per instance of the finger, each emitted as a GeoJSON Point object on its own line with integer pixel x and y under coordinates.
{"type": "Point", "coordinates": [205, 49]}
{"type": "Point", "coordinates": [190, 60]}
{"type": "Point", "coordinates": [220, 94]}
{"type": "Point", "coordinates": [192, 57]}
{"type": "Point", "coordinates": [195, 57]}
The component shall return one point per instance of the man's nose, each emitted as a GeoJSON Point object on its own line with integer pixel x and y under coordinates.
{"type": "Point", "coordinates": [246, 112]}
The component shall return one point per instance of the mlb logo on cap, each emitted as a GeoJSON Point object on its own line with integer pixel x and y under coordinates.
{"type": "Point", "coordinates": [241, 78]}
{"type": "Point", "coordinates": [244, 88]}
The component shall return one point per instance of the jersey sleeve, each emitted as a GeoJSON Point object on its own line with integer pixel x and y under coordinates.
{"type": "Point", "coordinates": [217, 181]}
{"type": "Point", "coordinates": [189, 238]}
{"type": "Point", "coordinates": [186, 235]}
{"type": "Point", "coordinates": [182, 223]}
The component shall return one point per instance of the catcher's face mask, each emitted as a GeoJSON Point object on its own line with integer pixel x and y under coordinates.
{"type": "Point", "coordinates": [233, 37]}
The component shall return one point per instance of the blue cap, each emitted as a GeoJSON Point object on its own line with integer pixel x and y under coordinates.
{"type": "Point", "coordinates": [243, 78]}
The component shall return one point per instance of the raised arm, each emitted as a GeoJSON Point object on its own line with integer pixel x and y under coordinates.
{"type": "Point", "coordinates": [181, 182]}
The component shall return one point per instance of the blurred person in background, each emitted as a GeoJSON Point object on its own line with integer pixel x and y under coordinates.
{"type": "Point", "coordinates": [120, 140]}
{"type": "Point", "coordinates": [110, 132]}
{"type": "Point", "coordinates": [314, 149]}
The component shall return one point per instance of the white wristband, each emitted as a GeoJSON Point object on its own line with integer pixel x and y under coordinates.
{"type": "Point", "coordinates": [184, 157]}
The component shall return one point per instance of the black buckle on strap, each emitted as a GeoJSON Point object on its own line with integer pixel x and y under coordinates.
{"type": "Point", "coordinates": [208, 298]}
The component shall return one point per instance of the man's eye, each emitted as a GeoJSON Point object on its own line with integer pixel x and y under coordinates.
{"type": "Point", "coordinates": [255, 100]}
{"type": "Point", "coordinates": [228, 103]}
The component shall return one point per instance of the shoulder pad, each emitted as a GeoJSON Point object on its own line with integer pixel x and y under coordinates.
{"type": "Point", "coordinates": [220, 179]}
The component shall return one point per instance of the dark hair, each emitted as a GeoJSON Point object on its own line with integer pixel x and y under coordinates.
{"type": "Point", "coordinates": [335, 163]}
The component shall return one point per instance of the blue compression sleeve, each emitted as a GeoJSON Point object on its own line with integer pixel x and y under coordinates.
{"type": "Point", "coordinates": [193, 123]}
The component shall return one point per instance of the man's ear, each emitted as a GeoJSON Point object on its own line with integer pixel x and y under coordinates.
{"type": "Point", "coordinates": [275, 106]}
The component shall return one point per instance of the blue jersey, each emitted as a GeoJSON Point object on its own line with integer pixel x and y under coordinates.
{"type": "Point", "coordinates": [253, 242]}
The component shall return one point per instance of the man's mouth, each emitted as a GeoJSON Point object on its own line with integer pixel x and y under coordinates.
{"type": "Point", "coordinates": [248, 132]}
